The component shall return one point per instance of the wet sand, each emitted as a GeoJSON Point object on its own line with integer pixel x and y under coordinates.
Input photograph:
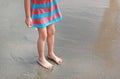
{"type": "Point", "coordinates": [88, 40]}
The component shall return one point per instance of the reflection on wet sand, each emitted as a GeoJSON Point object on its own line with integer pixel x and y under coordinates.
{"type": "Point", "coordinates": [108, 34]}
{"type": "Point", "coordinates": [42, 73]}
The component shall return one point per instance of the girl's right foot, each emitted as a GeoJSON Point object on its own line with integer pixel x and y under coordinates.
{"type": "Point", "coordinates": [45, 63]}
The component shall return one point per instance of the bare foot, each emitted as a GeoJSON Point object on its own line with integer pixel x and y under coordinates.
{"type": "Point", "coordinates": [45, 63]}
{"type": "Point", "coordinates": [55, 59]}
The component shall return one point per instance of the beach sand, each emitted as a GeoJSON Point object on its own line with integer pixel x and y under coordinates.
{"type": "Point", "coordinates": [87, 39]}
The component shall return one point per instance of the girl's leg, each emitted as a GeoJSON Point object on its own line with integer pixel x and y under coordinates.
{"type": "Point", "coordinates": [40, 45]}
{"type": "Point", "coordinates": [50, 42]}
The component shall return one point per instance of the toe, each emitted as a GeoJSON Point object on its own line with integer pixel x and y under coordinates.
{"type": "Point", "coordinates": [50, 67]}
{"type": "Point", "coordinates": [60, 61]}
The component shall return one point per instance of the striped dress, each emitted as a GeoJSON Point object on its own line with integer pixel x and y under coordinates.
{"type": "Point", "coordinates": [44, 13]}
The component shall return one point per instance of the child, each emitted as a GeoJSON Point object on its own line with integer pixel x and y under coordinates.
{"type": "Point", "coordinates": [42, 14]}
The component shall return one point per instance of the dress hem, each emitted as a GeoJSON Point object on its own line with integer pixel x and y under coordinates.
{"type": "Point", "coordinates": [46, 24]}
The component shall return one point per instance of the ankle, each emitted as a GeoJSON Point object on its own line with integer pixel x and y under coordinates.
{"type": "Point", "coordinates": [50, 52]}
{"type": "Point", "coordinates": [41, 58]}
{"type": "Point", "coordinates": [51, 55]}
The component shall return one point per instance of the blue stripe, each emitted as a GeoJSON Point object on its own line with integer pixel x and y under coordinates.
{"type": "Point", "coordinates": [34, 6]}
{"type": "Point", "coordinates": [47, 23]}
{"type": "Point", "coordinates": [47, 14]}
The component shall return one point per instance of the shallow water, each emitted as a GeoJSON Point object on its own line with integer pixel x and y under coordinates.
{"type": "Point", "coordinates": [87, 39]}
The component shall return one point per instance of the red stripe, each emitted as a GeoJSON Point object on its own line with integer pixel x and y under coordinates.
{"type": "Point", "coordinates": [41, 1]}
{"type": "Point", "coordinates": [41, 11]}
{"type": "Point", "coordinates": [46, 19]}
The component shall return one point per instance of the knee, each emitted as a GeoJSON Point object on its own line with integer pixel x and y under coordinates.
{"type": "Point", "coordinates": [43, 37]}
{"type": "Point", "coordinates": [51, 32]}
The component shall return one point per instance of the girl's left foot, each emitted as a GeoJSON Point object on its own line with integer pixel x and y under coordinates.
{"type": "Point", "coordinates": [56, 59]}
